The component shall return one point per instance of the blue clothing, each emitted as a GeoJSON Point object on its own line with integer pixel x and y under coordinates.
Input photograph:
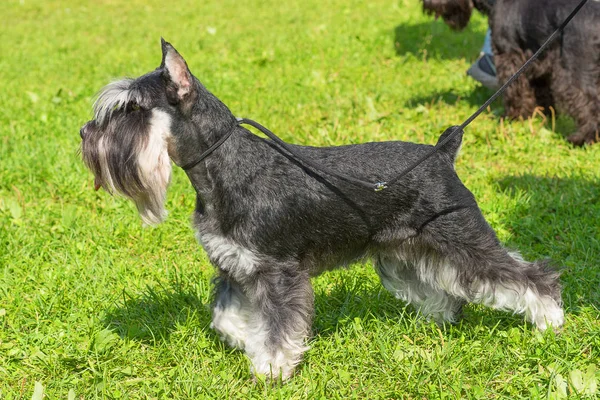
{"type": "Point", "coordinates": [487, 43]}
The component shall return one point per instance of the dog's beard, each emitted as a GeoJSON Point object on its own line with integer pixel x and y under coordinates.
{"type": "Point", "coordinates": [154, 168]}
{"type": "Point", "coordinates": [135, 164]}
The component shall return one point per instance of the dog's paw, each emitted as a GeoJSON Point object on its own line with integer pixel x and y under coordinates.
{"type": "Point", "coordinates": [553, 318]}
{"type": "Point", "coordinates": [270, 375]}
{"type": "Point", "coordinates": [576, 139]}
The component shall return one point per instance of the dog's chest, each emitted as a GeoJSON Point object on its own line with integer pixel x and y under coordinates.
{"type": "Point", "coordinates": [228, 255]}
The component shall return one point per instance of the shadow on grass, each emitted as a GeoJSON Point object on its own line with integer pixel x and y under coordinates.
{"type": "Point", "coordinates": [561, 215]}
{"type": "Point", "coordinates": [475, 99]}
{"type": "Point", "coordinates": [434, 39]}
{"type": "Point", "coordinates": [565, 125]}
{"type": "Point", "coordinates": [342, 304]}
{"type": "Point", "coordinates": [156, 313]}
{"type": "Point", "coordinates": [339, 307]}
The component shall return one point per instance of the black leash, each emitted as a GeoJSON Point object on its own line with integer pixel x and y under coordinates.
{"type": "Point", "coordinates": [379, 186]}
{"type": "Point", "coordinates": [209, 150]}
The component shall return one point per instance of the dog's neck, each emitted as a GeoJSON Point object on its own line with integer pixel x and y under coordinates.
{"type": "Point", "coordinates": [216, 176]}
{"type": "Point", "coordinates": [211, 120]}
{"type": "Point", "coordinates": [204, 175]}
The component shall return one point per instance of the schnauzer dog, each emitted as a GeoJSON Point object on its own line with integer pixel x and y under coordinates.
{"type": "Point", "coordinates": [268, 222]}
{"type": "Point", "coordinates": [566, 75]}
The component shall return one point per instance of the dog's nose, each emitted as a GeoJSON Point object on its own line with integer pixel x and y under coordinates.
{"type": "Point", "coordinates": [84, 131]}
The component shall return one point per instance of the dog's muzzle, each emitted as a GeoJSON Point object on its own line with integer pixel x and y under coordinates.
{"type": "Point", "coordinates": [83, 132]}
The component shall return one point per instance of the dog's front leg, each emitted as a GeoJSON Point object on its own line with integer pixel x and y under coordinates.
{"type": "Point", "coordinates": [520, 96]}
{"type": "Point", "coordinates": [282, 311]}
{"type": "Point", "coordinates": [231, 312]}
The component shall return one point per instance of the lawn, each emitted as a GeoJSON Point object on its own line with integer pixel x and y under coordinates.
{"type": "Point", "coordinates": [93, 305]}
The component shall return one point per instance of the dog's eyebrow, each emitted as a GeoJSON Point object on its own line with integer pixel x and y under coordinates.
{"type": "Point", "coordinates": [111, 97]}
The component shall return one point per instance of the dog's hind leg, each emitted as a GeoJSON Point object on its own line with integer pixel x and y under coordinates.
{"type": "Point", "coordinates": [472, 265]}
{"type": "Point", "coordinates": [231, 313]}
{"type": "Point", "coordinates": [580, 97]}
{"type": "Point", "coordinates": [576, 82]}
{"type": "Point", "coordinates": [282, 301]}
{"type": "Point", "coordinates": [399, 276]}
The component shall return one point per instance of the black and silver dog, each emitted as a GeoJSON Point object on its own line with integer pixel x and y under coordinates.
{"type": "Point", "coordinates": [269, 223]}
{"type": "Point", "coordinates": [567, 75]}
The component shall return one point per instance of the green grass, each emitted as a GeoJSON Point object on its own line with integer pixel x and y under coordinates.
{"type": "Point", "coordinates": [92, 305]}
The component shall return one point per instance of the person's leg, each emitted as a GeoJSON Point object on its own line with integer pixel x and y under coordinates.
{"type": "Point", "coordinates": [483, 69]}
{"type": "Point", "coordinates": [487, 43]}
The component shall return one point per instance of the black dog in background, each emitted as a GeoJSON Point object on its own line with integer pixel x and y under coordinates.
{"type": "Point", "coordinates": [566, 75]}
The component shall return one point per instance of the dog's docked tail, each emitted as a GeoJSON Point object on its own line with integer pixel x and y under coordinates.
{"type": "Point", "coordinates": [452, 147]}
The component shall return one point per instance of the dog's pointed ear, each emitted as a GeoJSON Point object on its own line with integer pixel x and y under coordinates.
{"type": "Point", "coordinates": [176, 71]}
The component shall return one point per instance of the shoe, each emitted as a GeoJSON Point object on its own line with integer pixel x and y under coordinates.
{"type": "Point", "coordinates": [483, 70]}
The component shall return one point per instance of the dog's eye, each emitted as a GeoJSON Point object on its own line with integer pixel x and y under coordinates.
{"type": "Point", "coordinates": [133, 106]}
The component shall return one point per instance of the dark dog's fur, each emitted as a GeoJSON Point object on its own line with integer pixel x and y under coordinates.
{"type": "Point", "coordinates": [567, 74]}
{"type": "Point", "coordinates": [268, 223]}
